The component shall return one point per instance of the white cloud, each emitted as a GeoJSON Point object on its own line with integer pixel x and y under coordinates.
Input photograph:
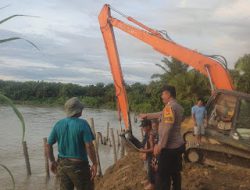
{"type": "Point", "coordinates": [238, 9]}
{"type": "Point", "coordinates": [72, 48]}
{"type": "Point", "coordinates": [14, 62]}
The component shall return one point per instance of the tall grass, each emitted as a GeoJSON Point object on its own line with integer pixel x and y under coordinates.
{"type": "Point", "coordinates": [17, 112]}
{"type": "Point", "coordinates": [15, 38]}
{"type": "Point", "coordinates": [18, 38]}
{"type": "Point", "coordinates": [6, 99]}
{"type": "Point", "coordinates": [2, 97]}
{"type": "Point", "coordinates": [20, 117]}
{"type": "Point", "coordinates": [12, 177]}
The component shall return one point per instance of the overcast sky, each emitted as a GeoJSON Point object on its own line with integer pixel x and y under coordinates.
{"type": "Point", "coordinates": [72, 49]}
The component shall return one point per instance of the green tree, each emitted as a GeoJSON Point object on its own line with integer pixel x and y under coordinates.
{"type": "Point", "coordinates": [241, 74]}
{"type": "Point", "coordinates": [170, 67]}
{"type": "Point", "coordinates": [189, 83]}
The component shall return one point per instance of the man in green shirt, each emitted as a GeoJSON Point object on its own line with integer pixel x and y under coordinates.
{"type": "Point", "coordinates": [75, 143]}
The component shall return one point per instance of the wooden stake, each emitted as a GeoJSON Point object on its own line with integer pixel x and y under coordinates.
{"type": "Point", "coordinates": [110, 143]}
{"type": "Point", "coordinates": [107, 137]}
{"type": "Point", "coordinates": [118, 139]}
{"type": "Point", "coordinates": [92, 125]}
{"type": "Point", "coordinates": [122, 148]}
{"type": "Point", "coordinates": [26, 157]}
{"type": "Point", "coordinates": [114, 146]}
{"type": "Point", "coordinates": [45, 142]}
{"type": "Point", "coordinates": [100, 138]}
{"type": "Point", "coordinates": [97, 156]}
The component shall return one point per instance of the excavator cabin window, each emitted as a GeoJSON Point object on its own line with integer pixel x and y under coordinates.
{"type": "Point", "coordinates": [221, 112]}
{"type": "Point", "coordinates": [243, 120]}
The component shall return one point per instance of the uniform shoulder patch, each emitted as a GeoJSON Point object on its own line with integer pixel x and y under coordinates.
{"type": "Point", "coordinates": [168, 115]}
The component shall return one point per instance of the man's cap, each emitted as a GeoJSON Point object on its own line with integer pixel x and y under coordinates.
{"type": "Point", "coordinates": [146, 123]}
{"type": "Point", "coordinates": [170, 89]}
{"type": "Point", "coordinates": [73, 106]}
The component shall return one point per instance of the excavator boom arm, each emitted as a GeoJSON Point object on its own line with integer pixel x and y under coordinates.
{"type": "Point", "coordinates": [115, 67]}
{"type": "Point", "coordinates": [217, 74]}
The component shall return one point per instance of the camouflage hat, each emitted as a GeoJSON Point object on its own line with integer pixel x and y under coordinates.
{"type": "Point", "coordinates": [73, 106]}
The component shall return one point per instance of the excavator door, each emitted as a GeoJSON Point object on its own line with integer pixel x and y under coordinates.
{"type": "Point", "coordinates": [221, 112]}
{"type": "Point", "coordinates": [242, 121]}
{"type": "Point", "coordinates": [229, 113]}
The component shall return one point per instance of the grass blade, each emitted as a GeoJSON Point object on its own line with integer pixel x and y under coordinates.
{"type": "Point", "coordinates": [17, 112]}
{"type": "Point", "coordinates": [18, 38]}
{"type": "Point", "coordinates": [13, 16]}
{"type": "Point", "coordinates": [12, 177]}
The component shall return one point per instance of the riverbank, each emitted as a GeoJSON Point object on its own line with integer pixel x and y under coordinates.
{"type": "Point", "coordinates": [128, 173]}
{"type": "Point", "coordinates": [39, 122]}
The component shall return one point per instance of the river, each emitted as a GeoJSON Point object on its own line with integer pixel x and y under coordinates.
{"type": "Point", "coordinates": [39, 122]}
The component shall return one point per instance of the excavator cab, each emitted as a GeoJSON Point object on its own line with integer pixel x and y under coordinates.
{"type": "Point", "coordinates": [221, 110]}
{"type": "Point", "coordinates": [229, 113]}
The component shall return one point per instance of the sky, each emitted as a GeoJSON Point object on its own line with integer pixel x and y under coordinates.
{"type": "Point", "coordinates": [72, 49]}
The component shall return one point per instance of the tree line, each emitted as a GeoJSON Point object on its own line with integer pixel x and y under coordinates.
{"type": "Point", "coordinates": [142, 97]}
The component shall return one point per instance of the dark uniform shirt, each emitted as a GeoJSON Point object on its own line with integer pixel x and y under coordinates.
{"type": "Point", "coordinates": [170, 126]}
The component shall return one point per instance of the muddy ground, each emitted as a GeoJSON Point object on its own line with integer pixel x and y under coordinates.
{"type": "Point", "coordinates": [128, 173]}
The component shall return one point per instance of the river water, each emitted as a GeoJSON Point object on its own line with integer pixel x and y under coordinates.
{"type": "Point", "coordinates": [39, 122]}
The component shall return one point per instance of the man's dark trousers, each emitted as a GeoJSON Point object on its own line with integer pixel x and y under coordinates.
{"type": "Point", "coordinates": [169, 169]}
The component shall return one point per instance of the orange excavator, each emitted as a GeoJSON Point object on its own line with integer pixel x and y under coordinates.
{"type": "Point", "coordinates": [228, 130]}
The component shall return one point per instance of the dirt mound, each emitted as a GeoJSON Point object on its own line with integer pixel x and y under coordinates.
{"type": "Point", "coordinates": [128, 173]}
{"type": "Point", "coordinates": [215, 177]}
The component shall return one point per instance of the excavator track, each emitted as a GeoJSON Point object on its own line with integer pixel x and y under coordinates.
{"type": "Point", "coordinates": [213, 150]}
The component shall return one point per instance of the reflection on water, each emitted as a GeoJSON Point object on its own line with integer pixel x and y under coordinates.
{"type": "Point", "coordinates": [39, 122]}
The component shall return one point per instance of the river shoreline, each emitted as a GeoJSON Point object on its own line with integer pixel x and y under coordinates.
{"type": "Point", "coordinates": [51, 104]}
{"type": "Point", "coordinates": [128, 173]}
{"type": "Point", "coordinates": [39, 122]}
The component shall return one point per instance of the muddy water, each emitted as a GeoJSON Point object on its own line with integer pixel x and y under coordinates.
{"type": "Point", "coordinates": [39, 121]}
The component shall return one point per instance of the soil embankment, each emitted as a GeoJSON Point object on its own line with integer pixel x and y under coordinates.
{"type": "Point", "coordinates": [128, 173]}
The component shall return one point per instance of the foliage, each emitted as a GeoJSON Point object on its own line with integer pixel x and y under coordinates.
{"type": "Point", "coordinates": [142, 98]}
{"type": "Point", "coordinates": [45, 93]}
{"type": "Point", "coordinates": [241, 74]}
{"type": "Point", "coordinates": [6, 99]}
{"type": "Point", "coordinates": [9, 172]}
{"type": "Point", "coordinates": [15, 38]}
{"type": "Point", "coordinates": [189, 83]}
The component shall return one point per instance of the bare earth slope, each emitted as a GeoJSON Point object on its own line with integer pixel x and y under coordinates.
{"type": "Point", "coordinates": [128, 173]}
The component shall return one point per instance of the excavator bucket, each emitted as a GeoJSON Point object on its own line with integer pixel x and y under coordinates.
{"type": "Point", "coordinates": [131, 142]}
